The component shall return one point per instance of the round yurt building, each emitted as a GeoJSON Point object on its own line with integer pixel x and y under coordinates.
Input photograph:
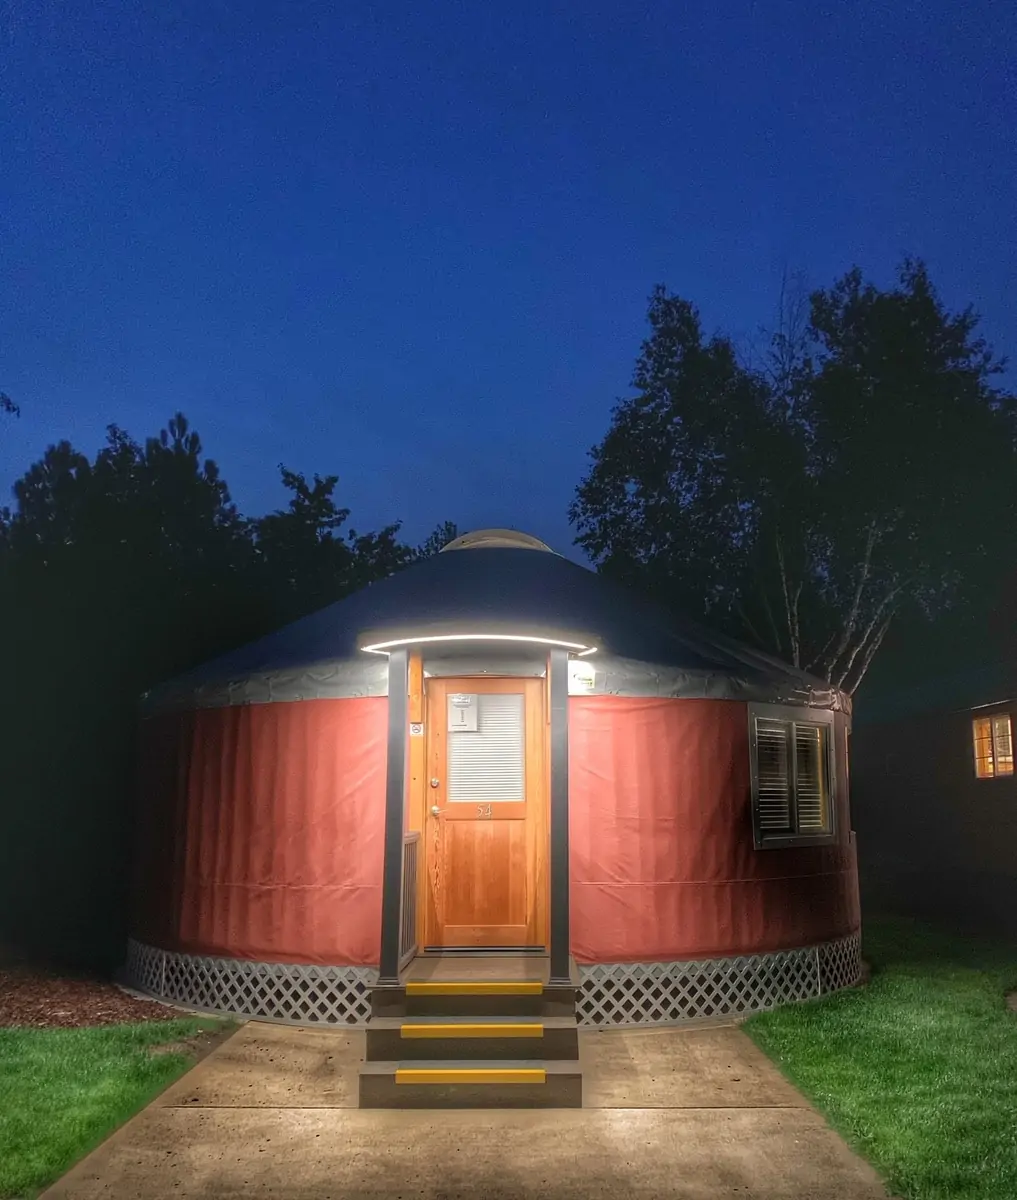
{"type": "Point", "coordinates": [494, 751]}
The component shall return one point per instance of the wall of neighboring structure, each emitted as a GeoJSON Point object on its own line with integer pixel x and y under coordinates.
{"type": "Point", "coordinates": [934, 841]}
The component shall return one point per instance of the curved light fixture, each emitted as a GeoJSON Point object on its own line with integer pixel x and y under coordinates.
{"type": "Point", "coordinates": [580, 649]}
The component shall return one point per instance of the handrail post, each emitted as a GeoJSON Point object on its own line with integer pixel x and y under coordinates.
{"type": "Point", "coordinates": [560, 948]}
{"type": "Point", "coordinates": [395, 799]}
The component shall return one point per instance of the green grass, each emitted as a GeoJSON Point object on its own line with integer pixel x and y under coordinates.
{"type": "Point", "coordinates": [62, 1091]}
{"type": "Point", "coordinates": [918, 1070]}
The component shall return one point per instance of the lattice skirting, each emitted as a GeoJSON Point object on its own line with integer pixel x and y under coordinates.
{"type": "Point", "coordinates": [611, 994]}
{"type": "Point", "coordinates": [295, 993]}
{"type": "Point", "coordinates": [667, 993]}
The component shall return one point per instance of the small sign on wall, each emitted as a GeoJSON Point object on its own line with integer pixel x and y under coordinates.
{"type": "Point", "coordinates": [416, 729]}
{"type": "Point", "coordinates": [462, 713]}
{"type": "Point", "coordinates": [582, 675]}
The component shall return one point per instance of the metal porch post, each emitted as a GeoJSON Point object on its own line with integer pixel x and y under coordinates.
{"type": "Point", "coordinates": [395, 799]}
{"type": "Point", "coordinates": [560, 948]}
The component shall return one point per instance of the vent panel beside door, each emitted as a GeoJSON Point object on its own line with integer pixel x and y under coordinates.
{"type": "Point", "coordinates": [488, 764]}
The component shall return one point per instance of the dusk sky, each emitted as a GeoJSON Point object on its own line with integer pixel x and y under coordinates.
{"type": "Point", "coordinates": [411, 244]}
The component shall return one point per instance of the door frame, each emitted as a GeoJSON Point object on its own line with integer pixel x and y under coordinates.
{"type": "Point", "coordinates": [406, 799]}
{"type": "Point", "coordinates": [537, 806]}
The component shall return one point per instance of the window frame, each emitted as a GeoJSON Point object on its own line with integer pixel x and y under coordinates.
{"type": "Point", "coordinates": [991, 714]}
{"type": "Point", "coordinates": [801, 716]}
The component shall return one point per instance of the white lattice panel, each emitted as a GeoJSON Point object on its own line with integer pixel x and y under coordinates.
{"type": "Point", "coordinates": [293, 992]}
{"type": "Point", "coordinates": [143, 969]}
{"type": "Point", "coordinates": [610, 993]}
{"type": "Point", "coordinates": [840, 963]}
{"type": "Point", "coordinates": [671, 992]}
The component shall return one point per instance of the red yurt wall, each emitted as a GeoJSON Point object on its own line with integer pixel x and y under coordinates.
{"type": "Point", "coordinates": [261, 829]}
{"type": "Point", "coordinates": [662, 859]}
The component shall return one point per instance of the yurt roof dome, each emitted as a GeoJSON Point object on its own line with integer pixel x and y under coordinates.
{"type": "Point", "coordinates": [514, 589]}
{"type": "Point", "coordinates": [488, 539]}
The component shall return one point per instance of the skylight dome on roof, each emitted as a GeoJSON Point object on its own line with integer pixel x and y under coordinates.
{"type": "Point", "coordinates": [510, 539]}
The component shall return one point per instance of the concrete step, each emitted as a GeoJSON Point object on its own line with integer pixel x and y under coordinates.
{"type": "Point", "coordinates": [450, 1083]}
{"type": "Point", "coordinates": [471, 998]}
{"type": "Point", "coordinates": [464, 1038]}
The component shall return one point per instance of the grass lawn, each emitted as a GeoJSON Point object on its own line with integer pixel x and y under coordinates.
{"type": "Point", "coordinates": [63, 1090]}
{"type": "Point", "coordinates": [918, 1070]}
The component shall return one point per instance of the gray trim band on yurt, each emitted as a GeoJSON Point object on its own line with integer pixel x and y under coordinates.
{"type": "Point", "coordinates": [611, 677]}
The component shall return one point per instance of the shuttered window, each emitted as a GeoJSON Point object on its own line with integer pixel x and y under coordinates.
{"type": "Point", "coordinates": [773, 791]}
{"type": "Point", "coordinates": [792, 774]}
{"type": "Point", "coordinates": [993, 746]}
{"type": "Point", "coordinates": [488, 764]}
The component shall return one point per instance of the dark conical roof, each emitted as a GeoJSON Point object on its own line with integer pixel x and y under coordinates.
{"type": "Point", "coordinates": [501, 588]}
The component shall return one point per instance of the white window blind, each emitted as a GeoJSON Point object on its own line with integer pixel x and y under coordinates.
{"type": "Point", "coordinates": [774, 796]}
{"type": "Point", "coordinates": [810, 790]}
{"type": "Point", "coordinates": [489, 764]}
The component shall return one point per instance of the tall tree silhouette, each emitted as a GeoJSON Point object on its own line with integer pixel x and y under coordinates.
{"type": "Point", "coordinates": [308, 560]}
{"type": "Point", "coordinates": [869, 473]}
{"type": "Point", "coordinates": [120, 572]}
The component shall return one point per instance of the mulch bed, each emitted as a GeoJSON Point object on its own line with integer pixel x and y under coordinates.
{"type": "Point", "coordinates": [42, 999]}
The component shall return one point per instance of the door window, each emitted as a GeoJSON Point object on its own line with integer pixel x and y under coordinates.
{"type": "Point", "coordinates": [486, 747]}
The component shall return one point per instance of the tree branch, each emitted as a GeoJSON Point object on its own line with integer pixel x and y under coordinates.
{"type": "Point", "coordinates": [820, 652]}
{"type": "Point", "coordinates": [862, 642]}
{"type": "Point", "coordinates": [789, 608]}
{"type": "Point", "coordinates": [773, 624]}
{"type": "Point", "coordinates": [870, 654]}
{"type": "Point", "coordinates": [753, 632]}
{"type": "Point", "coordinates": [852, 617]}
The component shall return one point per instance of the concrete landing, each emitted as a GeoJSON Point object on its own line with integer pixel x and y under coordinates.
{"type": "Point", "coordinates": [667, 1113]}
{"type": "Point", "coordinates": [437, 968]}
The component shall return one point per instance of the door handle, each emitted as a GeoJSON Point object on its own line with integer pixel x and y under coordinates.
{"type": "Point", "coordinates": [435, 811]}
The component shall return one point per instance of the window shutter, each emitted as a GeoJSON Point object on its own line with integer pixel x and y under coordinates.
{"type": "Point", "coordinates": [774, 776]}
{"type": "Point", "coordinates": [810, 778]}
{"type": "Point", "coordinates": [488, 764]}
{"type": "Point", "coordinates": [1002, 745]}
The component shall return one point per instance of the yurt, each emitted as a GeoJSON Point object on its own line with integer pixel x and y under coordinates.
{"type": "Point", "coordinates": [494, 752]}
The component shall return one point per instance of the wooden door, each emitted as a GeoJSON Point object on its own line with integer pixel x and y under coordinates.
{"type": "Point", "coordinates": [485, 826]}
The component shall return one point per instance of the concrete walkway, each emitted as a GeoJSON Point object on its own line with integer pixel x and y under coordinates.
{"type": "Point", "coordinates": [696, 1113]}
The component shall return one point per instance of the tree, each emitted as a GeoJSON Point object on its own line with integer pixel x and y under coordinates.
{"type": "Point", "coordinates": [307, 561]}
{"type": "Point", "coordinates": [806, 503]}
{"type": "Point", "coordinates": [437, 539]}
{"type": "Point", "coordinates": [119, 572]}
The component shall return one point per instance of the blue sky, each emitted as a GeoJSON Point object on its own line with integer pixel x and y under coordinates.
{"type": "Point", "coordinates": [411, 243]}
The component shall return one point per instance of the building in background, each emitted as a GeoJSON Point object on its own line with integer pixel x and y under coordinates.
{"type": "Point", "coordinates": [934, 798]}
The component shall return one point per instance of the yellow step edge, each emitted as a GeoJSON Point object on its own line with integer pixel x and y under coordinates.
{"type": "Point", "coordinates": [475, 989]}
{"type": "Point", "coordinates": [470, 1075]}
{"type": "Point", "coordinates": [472, 1030]}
